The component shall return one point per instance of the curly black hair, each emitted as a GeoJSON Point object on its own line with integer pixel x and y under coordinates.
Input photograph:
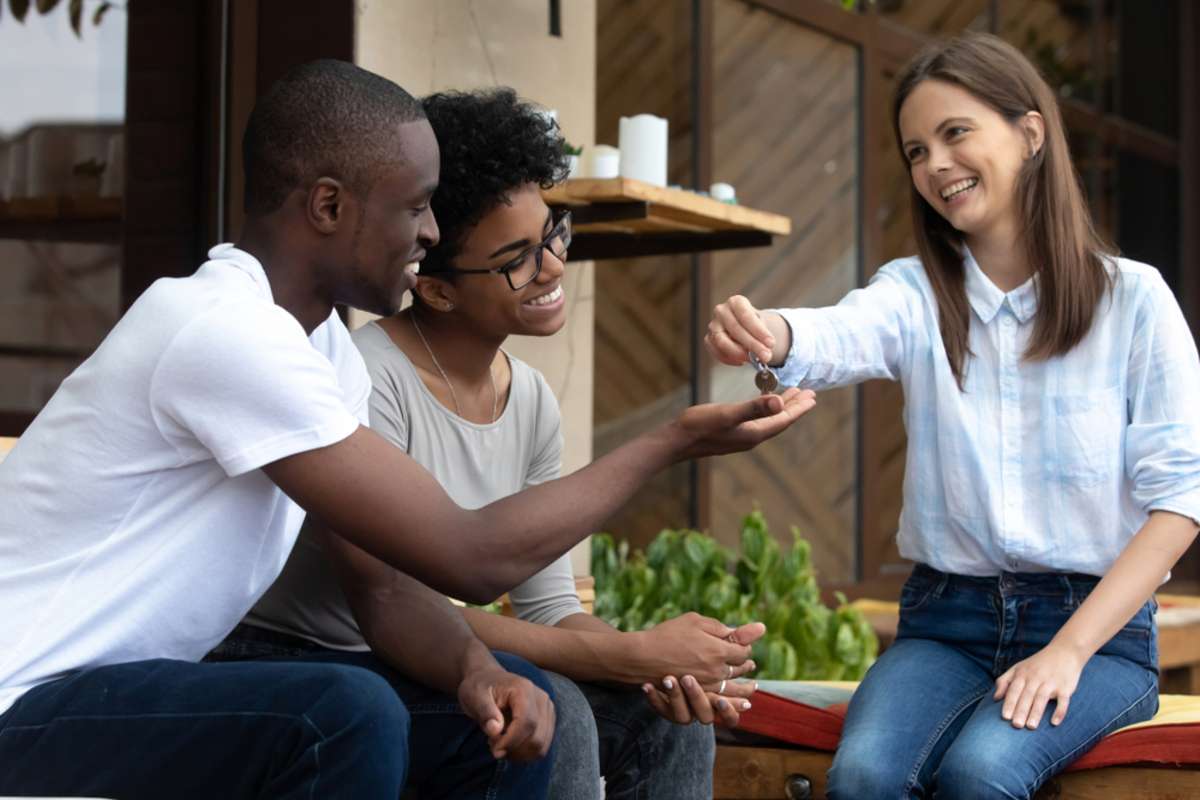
{"type": "Point", "coordinates": [491, 142]}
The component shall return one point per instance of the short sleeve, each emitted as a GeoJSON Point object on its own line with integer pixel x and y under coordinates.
{"type": "Point", "coordinates": [548, 596]}
{"type": "Point", "coordinates": [244, 384]}
{"type": "Point", "coordinates": [1162, 440]}
{"type": "Point", "coordinates": [546, 464]}
{"type": "Point", "coordinates": [388, 416]}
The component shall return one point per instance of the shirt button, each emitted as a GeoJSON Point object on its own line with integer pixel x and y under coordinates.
{"type": "Point", "coordinates": [1008, 322]}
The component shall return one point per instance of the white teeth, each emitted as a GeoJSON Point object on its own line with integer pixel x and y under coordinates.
{"type": "Point", "coordinates": [958, 188]}
{"type": "Point", "coordinates": [546, 299]}
{"type": "Point", "coordinates": [414, 267]}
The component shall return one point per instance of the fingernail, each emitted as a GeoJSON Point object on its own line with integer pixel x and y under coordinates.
{"type": "Point", "coordinates": [753, 667]}
{"type": "Point", "coordinates": [668, 684]}
{"type": "Point", "coordinates": [647, 688]}
{"type": "Point", "coordinates": [745, 705]}
{"type": "Point", "coordinates": [689, 682]}
{"type": "Point", "coordinates": [721, 704]}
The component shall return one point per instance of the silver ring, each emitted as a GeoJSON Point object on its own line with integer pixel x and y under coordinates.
{"type": "Point", "coordinates": [728, 671]}
{"type": "Point", "coordinates": [721, 688]}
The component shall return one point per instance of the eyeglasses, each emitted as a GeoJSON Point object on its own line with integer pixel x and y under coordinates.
{"type": "Point", "coordinates": [527, 264]}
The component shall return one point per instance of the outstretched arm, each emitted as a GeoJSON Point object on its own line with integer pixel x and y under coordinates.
{"type": "Point", "coordinates": [382, 501]}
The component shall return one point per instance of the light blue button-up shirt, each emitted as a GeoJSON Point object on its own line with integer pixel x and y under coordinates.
{"type": "Point", "coordinates": [1037, 465]}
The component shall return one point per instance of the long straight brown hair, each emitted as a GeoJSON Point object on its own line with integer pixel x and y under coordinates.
{"type": "Point", "coordinates": [1059, 241]}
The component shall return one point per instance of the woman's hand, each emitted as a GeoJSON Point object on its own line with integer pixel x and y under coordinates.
{"type": "Point", "coordinates": [1027, 687]}
{"type": "Point", "coordinates": [738, 328]}
{"type": "Point", "coordinates": [685, 701]}
{"type": "Point", "coordinates": [693, 644]}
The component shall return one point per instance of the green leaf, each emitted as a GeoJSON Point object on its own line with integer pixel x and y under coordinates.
{"type": "Point", "coordinates": [101, 10]}
{"type": "Point", "coordinates": [19, 9]}
{"type": "Point", "coordinates": [75, 9]}
{"type": "Point", "coordinates": [46, 6]}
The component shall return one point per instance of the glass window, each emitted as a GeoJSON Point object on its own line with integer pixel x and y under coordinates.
{"type": "Point", "coordinates": [1057, 37]}
{"type": "Point", "coordinates": [1148, 215]}
{"type": "Point", "coordinates": [61, 187]}
{"type": "Point", "coordinates": [1145, 45]}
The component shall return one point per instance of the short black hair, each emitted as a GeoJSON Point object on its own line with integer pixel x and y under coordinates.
{"type": "Point", "coordinates": [491, 143]}
{"type": "Point", "coordinates": [326, 118]}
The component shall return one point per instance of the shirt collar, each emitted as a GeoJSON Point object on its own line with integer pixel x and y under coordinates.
{"type": "Point", "coordinates": [986, 298]}
{"type": "Point", "coordinates": [230, 254]}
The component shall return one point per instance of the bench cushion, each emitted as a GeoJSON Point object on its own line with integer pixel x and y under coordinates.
{"type": "Point", "coordinates": [810, 714]}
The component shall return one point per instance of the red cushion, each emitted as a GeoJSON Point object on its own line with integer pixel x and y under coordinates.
{"type": "Point", "coordinates": [821, 727]}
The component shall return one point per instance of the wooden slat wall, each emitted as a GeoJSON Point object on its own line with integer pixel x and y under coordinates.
{"type": "Point", "coordinates": [785, 133]}
{"type": "Point", "coordinates": [643, 307]}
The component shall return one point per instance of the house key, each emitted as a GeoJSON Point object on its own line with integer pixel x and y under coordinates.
{"type": "Point", "coordinates": [764, 378]}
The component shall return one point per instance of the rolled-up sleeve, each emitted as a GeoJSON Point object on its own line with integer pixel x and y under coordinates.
{"type": "Point", "coordinates": [861, 338]}
{"type": "Point", "coordinates": [1162, 440]}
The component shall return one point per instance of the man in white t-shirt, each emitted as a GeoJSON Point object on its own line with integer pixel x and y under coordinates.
{"type": "Point", "coordinates": [158, 494]}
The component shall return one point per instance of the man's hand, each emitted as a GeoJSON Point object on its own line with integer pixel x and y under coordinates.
{"type": "Point", "coordinates": [692, 644]}
{"type": "Point", "coordinates": [516, 716]}
{"type": "Point", "coordinates": [685, 701]}
{"type": "Point", "coordinates": [716, 428]}
{"type": "Point", "coordinates": [738, 328]}
{"type": "Point", "coordinates": [1027, 687]}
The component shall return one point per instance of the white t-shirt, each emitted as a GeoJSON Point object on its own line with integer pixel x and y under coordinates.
{"type": "Point", "coordinates": [136, 523]}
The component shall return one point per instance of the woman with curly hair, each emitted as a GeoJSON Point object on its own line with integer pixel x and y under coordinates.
{"type": "Point", "coordinates": [487, 425]}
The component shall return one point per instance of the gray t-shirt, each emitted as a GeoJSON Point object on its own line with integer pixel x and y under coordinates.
{"type": "Point", "coordinates": [476, 465]}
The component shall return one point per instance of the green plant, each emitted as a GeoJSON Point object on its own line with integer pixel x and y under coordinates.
{"type": "Point", "coordinates": [683, 570]}
{"type": "Point", "coordinates": [20, 8]}
{"type": "Point", "coordinates": [570, 149]}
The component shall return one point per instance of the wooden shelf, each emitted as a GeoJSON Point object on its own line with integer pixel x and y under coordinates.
{"type": "Point", "coordinates": [624, 218]}
{"type": "Point", "coordinates": [62, 219]}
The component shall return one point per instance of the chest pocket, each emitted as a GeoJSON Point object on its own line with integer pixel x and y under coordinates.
{"type": "Point", "coordinates": [1085, 434]}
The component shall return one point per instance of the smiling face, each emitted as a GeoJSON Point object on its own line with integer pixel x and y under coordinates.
{"type": "Point", "coordinates": [965, 158]}
{"type": "Point", "coordinates": [394, 225]}
{"type": "Point", "coordinates": [486, 301]}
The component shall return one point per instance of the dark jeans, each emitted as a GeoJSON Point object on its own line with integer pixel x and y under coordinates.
{"type": "Point", "coordinates": [924, 724]}
{"type": "Point", "coordinates": [612, 731]}
{"type": "Point", "coordinates": [322, 725]}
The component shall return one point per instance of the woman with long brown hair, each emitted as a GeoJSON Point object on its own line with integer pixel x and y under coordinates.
{"type": "Point", "coordinates": [1053, 467]}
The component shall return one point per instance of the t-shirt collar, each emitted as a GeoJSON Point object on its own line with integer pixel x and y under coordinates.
{"type": "Point", "coordinates": [247, 263]}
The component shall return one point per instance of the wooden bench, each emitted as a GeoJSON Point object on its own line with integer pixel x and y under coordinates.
{"type": "Point", "coordinates": [1163, 755]}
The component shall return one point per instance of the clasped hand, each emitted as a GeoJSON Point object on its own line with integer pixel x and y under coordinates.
{"type": "Point", "coordinates": [516, 716]}
{"type": "Point", "coordinates": [699, 660]}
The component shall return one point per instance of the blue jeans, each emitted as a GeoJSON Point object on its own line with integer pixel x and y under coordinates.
{"type": "Point", "coordinates": [612, 731]}
{"type": "Point", "coordinates": [448, 754]}
{"type": "Point", "coordinates": [324, 725]}
{"type": "Point", "coordinates": [924, 724]}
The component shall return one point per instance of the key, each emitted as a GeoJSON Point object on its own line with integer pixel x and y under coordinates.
{"type": "Point", "coordinates": [764, 377]}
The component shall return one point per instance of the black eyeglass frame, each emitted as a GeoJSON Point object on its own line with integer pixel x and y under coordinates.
{"type": "Point", "coordinates": [560, 228]}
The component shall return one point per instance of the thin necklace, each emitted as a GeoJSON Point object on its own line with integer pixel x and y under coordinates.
{"type": "Point", "coordinates": [446, 378]}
